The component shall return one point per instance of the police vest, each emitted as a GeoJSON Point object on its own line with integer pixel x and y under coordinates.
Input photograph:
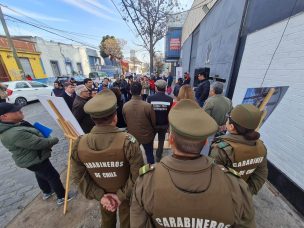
{"type": "Point", "coordinates": [246, 157]}
{"type": "Point", "coordinates": [175, 207]}
{"type": "Point", "coordinates": [108, 168]}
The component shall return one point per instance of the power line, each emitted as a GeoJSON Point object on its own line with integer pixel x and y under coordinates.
{"type": "Point", "coordinates": [123, 18]}
{"type": "Point", "coordinates": [41, 24]}
{"type": "Point", "coordinates": [36, 26]}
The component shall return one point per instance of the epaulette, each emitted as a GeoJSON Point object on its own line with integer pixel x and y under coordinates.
{"type": "Point", "coordinates": [229, 170]}
{"type": "Point", "coordinates": [131, 138]}
{"type": "Point", "coordinates": [145, 169]}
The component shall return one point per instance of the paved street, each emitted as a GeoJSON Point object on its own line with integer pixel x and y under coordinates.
{"type": "Point", "coordinates": [18, 188]}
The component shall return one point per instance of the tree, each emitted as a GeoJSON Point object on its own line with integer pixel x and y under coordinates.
{"type": "Point", "coordinates": [159, 63]}
{"type": "Point", "coordinates": [111, 47]}
{"type": "Point", "coordinates": [150, 20]}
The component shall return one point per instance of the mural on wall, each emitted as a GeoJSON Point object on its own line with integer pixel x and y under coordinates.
{"type": "Point", "coordinates": [256, 96]}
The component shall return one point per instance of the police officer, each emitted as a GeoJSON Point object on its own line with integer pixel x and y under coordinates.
{"type": "Point", "coordinates": [161, 104]}
{"type": "Point", "coordinates": [241, 149]}
{"type": "Point", "coordinates": [106, 161]}
{"type": "Point", "coordinates": [187, 189]}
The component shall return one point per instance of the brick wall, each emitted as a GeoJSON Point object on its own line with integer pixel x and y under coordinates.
{"type": "Point", "coordinates": [20, 45]}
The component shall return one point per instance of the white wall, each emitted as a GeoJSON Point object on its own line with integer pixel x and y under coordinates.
{"type": "Point", "coordinates": [84, 54]}
{"type": "Point", "coordinates": [283, 132]}
{"type": "Point", "coordinates": [58, 52]}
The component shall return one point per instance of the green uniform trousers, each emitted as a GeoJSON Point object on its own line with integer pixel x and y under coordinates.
{"type": "Point", "coordinates": [109, 218]}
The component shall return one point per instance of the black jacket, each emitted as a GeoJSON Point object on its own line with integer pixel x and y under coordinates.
{"type": "Point", "coordinates": [176, 89]}
{"type": "Point", "coordinates": [162, 104]}
{"type": "Point", "coordinates": [120, 119]}
{"type": "Point", "coordinates": [202, 91]}
{"type": "Point", "coordinates": [58, 92]}
{"type": "Point", "coordinates": [84, 119]}
{"type": "Point", "coordinates": [68, 99]}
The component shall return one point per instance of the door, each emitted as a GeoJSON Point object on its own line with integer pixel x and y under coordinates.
{"type": "Point", "coordinates": [3, 73]}
{"type": "Point", "coordinates": [27, 68]}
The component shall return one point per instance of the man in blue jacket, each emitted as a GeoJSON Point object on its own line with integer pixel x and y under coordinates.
{"type": "Point", "coordinates": [30, 150]}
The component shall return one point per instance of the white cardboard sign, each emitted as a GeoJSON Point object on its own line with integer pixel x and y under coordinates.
{"type": "Point", "coordinates": [64, 110]}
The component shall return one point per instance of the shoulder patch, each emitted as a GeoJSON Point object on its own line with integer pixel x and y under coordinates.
{"type": "Point", "coordinates": [222, 144]}
{"type": "Point", "coordinates": [145, 169]}
{"type": "Point", "coordinates": [131, 138]}
{"type": "Point", "coordinates": [229, 170]}
{"type": "Point", "coordinates": [235, 173]}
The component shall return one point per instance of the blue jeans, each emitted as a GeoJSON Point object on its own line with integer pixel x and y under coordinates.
{"type": "Point", "coordinates": [149, 152]}
{"type": "Point", "coordinates": [48, 178]}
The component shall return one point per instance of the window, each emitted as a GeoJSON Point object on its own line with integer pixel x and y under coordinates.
{"type": "Point", "coordinates": [27, 68]}
{"type": "Point", "coordinates": [79, 68]}
{"type": "Point", "coordinates": [37, 85]}
{"type": "Point", "coordinates": [21, 85]}
{"type": "Point", "coordinates": [55, 68]}
{"type": "Point", "coordinates": [91, 60]}
{"type": "Point", "coordinates": [69, 68]}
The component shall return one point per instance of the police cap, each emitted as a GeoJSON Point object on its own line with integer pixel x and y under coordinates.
{"type": "Point", "coordinates": [102, 104]}
{"type": "Point", "coordinates": [189, 120]}
{"type": "Point", "coordinates": [246, 115]}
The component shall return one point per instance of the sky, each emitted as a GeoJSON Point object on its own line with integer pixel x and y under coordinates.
{"type": "Point", "coordinates": [89, 19]}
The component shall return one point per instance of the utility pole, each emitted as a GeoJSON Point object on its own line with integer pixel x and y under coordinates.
{"type": "Point", "coordinates": [10, 43]}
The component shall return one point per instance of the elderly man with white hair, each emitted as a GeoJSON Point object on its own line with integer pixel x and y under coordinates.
{"type": "Point", "coordinates": [82, 97]}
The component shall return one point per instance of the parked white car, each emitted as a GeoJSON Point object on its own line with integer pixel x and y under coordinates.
{"type": "Point", "coordinates": [22, 92]}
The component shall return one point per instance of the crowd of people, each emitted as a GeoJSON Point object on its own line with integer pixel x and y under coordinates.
{"type": "Point", "coordinates": [218, 161]}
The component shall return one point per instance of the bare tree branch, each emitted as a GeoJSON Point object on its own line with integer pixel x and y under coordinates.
{"type": "Point", "coordinates": [150, 20]}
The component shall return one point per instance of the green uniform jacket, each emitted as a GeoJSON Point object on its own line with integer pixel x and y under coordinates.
{"type": "Point", "coordinates": [102, 138]}
{"type": "Point", "coordinates": [26, 144]}
{"type": "Point", "coordinates": [185, 175]}
{"type": "Point", "coordinates": [217, 107]}
{"type": "Point", "coordinates": [226, 158]}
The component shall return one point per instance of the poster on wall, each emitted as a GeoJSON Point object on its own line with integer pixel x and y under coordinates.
{"type": "Point", "coordinates": [256, 96]}
{"type": "Point", "coordinates": [179, 73]}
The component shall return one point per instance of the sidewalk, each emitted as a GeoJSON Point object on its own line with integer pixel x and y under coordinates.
{"type": "Point", "coordinates": [47, 214]}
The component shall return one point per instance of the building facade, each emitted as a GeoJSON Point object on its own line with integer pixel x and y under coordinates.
{"type": "Point", "coordinates": [61, 59]}
{"type": "Point", "coordinates": [251, 48]}
{"type": "Point", "coordinates": [29, 57]}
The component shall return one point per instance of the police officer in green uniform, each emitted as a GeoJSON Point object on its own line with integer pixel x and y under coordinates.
{"type": "Point", "coordinates": [188, 189]}
{"type": "Point", "coordinates": [241, 149]}
{"type": "Point", "coordinates": [106, 161]}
